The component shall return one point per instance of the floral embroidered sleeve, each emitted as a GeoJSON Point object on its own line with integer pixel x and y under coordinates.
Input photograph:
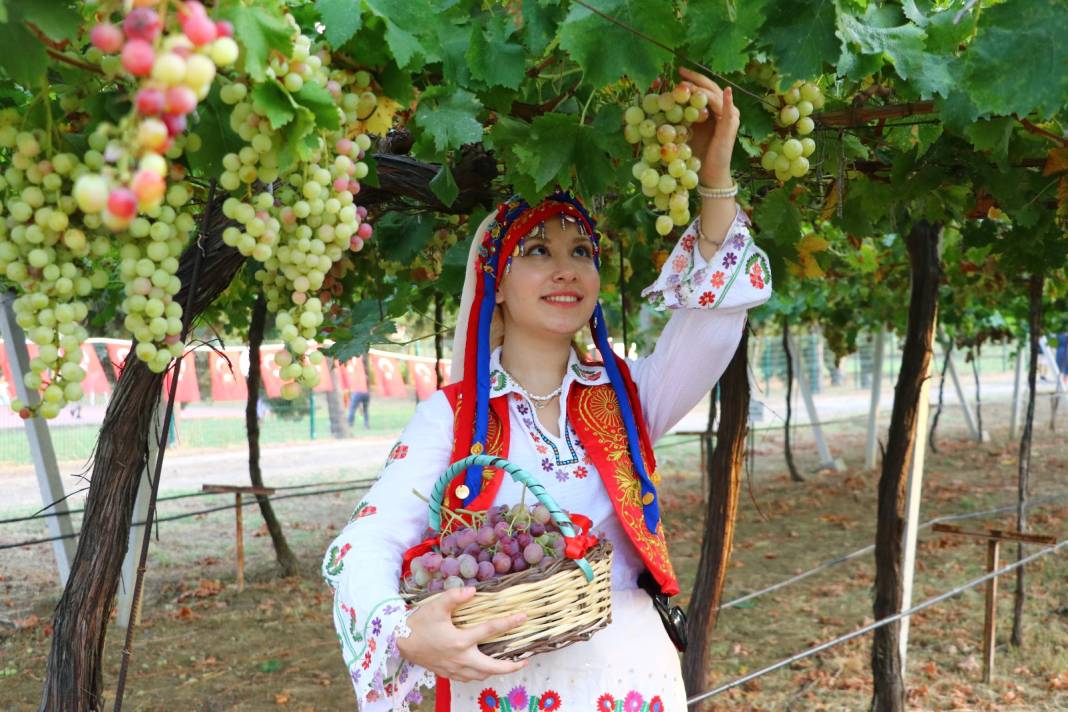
{"type": "Point", "coordinates": [363, 563]}
{"type": "Point", "coordinates": [709, 300]}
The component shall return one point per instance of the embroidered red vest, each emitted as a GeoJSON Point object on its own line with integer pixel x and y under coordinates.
{"type": "Point", "coordinates": [593, 412]}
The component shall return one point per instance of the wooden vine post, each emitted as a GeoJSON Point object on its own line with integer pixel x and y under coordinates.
{"type": "Point", "coordinates": [724, 474]}
{"type": "Point", "coordinates": [886, 661]}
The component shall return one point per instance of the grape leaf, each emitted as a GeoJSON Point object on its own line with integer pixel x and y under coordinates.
{"type": "Point", "coordinates": [314, 97]}
{"type": "Point", "coordinates": [404, 45]}
{"type": "Point", "coordinates": [957, 110]}
{"type": "Point", "coordinates": [272, 100]}
{"type": "Point", "coordinates": [57, 19]}
{"type": "Point", "coordinates": [555, 150]}
{"type": "Point", "coordinates": [258, 31]}
{"type": "Point", "coordinates": [453, 41]}
{"type": "Point", "coordinates": [450, 116]}
{"type": "Point", "coordinates": [1017, 62]}
{"type": "Point", "coordinates": [800, 35]}
{"type": "Point", "coordinates": [365, 328]}
{"type": "Point", "coordinates": [777, 217]}
{"type": "Point", "coordinates": [444, 186]}
{"type": "Point", "coordinates": [341, 19]}
{"type": "Point", "coordinates": [992, 135]}
{"type": "Point", "coordinates": [494, 60]}
{"type": "Point", "coordinates": [719, 39]}
{"type": "Point", "coordinates": [28, 64]}
{"type": "Point", "coordinates": [295, 135]}
{"type": "Point", "coordinates": [216, 137]}
{"type": "Point", "coordinates": [539, 25]}
{"type": "Point", "coordinates": [607, 52]}
{"type": "Point", "coordinates": [396, 83]}
{"type": "Point", "coordinates": [402, 235]}
{"type": "Point", "coordinates": [903, 45]}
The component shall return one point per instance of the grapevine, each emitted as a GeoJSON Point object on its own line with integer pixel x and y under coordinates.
{"type": "Point", "coordinates": [116, 206]}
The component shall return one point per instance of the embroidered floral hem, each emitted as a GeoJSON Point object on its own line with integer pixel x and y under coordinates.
{"type": "Point", "coordinates": [736, 277]}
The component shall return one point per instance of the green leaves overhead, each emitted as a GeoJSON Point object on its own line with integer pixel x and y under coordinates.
{"type": "Point", "coordinates": [57, 19]}
{"type": "Point", "coordinates": [401, 19]}
{"type": "Point", "coordinates": [607, 52]}
{"type": "Point", "coordinates": [26, 66]}
{"type": "Point", "coordinates": [1017, 63]}
{"type": "Point", "coordinates": [341, 18]}
{"type": "Point", "coordinates": [450, 117]}
{"type": "Point", "coordinates": [492, 58]}
{"type": "Point", "coordinates": [274, 101]}
{"type": "Point", "coordinates": [315, 98]}
{"type": "Point", "coordinates": [365, 328]}
{"type": "Point", "coordinates": [258, 31]}
{"type": "Point", "coordinates": [800, 35]}
{"type": "Point", "coordinates": [556, 150]}
{"type": "Point", "coordinates": [878, 34]}
{"type": "Point", "coordinates": [719, 37]}
{"type": "Point", "coordinates": [403, 235]}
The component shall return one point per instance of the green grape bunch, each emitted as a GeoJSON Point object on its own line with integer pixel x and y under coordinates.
{"type": "Point", "coordinates": [667, 169]}
{"type": "Point", "coordinates": [787, 156]}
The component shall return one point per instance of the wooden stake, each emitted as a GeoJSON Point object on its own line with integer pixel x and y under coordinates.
{"type": "Point", "coordinates": [990, 622]}
{"type": "Point", "coordinates": [240, 545]}
{"type": "Point", "coordinates": [239, 518]}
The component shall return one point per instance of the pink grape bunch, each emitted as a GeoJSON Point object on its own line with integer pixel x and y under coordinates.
{"type": "Point", "coordinates": [298, 220]}
{"type": "Point", "coordinates": [172, 67]}
{"type": "Point", "coordinates": [503, 540]}
{"type": "Point", "coordinates": [667, 169]}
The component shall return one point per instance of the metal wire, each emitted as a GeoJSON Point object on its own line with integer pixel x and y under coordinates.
{"type": "Point", "coordinates": [872, 626]}
{"type": "Point", "coordinates": [871, 547]}
{"type": "Point", "coordinates": [364, 484]}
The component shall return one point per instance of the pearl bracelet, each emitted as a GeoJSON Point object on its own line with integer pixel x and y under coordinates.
{"type": "Point", "coordinates": [706, 192]}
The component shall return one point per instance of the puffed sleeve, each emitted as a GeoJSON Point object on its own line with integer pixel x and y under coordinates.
{"type": "Point", "coordinates": [363, 563]}
{"type": "Point", "coordinates": [709, 301]}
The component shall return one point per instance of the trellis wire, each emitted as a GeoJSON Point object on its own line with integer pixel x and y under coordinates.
{"type": "Point", "coordinates": [876, 624]}
{"type": "Point", "coordinates": [364, 484]}
{"type": "Point", "coordinates": [1036, 502]}
{"type": "Point", "coordinates": [187, 495]}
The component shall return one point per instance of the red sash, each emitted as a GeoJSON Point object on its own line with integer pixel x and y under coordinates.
{"type": "Point", "coordinates": [593, 412]}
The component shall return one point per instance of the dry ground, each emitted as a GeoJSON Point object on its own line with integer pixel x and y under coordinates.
{"type": "Point", "coordinates": [204, 646]}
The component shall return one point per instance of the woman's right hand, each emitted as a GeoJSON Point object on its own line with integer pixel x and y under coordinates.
{"type": "Point", "coordinates": [450, 652]}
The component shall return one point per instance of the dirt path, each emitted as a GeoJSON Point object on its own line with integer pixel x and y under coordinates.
{"type": "Point", "coordinates": [184, 471]}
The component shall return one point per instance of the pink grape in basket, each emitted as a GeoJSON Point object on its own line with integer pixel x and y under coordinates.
{"type": "Point", "coordinates": [450, 566]}
{"type": "Point", "coordinates": [453, 582]}
{"type": "Point", "coordinates": [468, 566]}
{"type": "Point", "coordinates": [486, 571]}
{"type": "Point", "coordinates": [533, 553]}
{"type": "Point", "coordinates": [486, 536]}
{"type": "Point", "coordinates": [541, 514]}
{"type": "Point", "coordinates": [432, 561]}
{"type": "Point", "coordinates": [519, 564]}
{"type": "Point", "coordinates": [502, 562]}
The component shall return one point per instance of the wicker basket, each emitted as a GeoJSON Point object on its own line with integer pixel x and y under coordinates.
{"type": "Point", "coordinates": [566, 602]}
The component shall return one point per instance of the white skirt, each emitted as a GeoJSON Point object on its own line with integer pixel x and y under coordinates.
{"type": "Point", "coordinates": [629, 666]}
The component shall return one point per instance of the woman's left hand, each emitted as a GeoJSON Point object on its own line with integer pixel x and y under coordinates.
{"type": "Point", "coordinates": [713, 140]}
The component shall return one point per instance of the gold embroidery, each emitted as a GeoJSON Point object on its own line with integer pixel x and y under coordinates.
{"type": "Point", "coordinates": [597, 408]}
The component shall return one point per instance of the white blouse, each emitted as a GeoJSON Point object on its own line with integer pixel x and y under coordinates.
{"type": "Point", "coordinates": [709, 300]}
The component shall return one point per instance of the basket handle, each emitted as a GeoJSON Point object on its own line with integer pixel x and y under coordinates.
{"type": "Point", "coordinates": [519, 475]}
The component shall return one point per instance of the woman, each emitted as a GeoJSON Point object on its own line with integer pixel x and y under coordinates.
{"type": "Point", "coordinates": [586, 430]}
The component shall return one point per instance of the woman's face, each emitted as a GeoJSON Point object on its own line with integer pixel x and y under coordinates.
{"type": "Point", "coordinates": [553, 284]}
